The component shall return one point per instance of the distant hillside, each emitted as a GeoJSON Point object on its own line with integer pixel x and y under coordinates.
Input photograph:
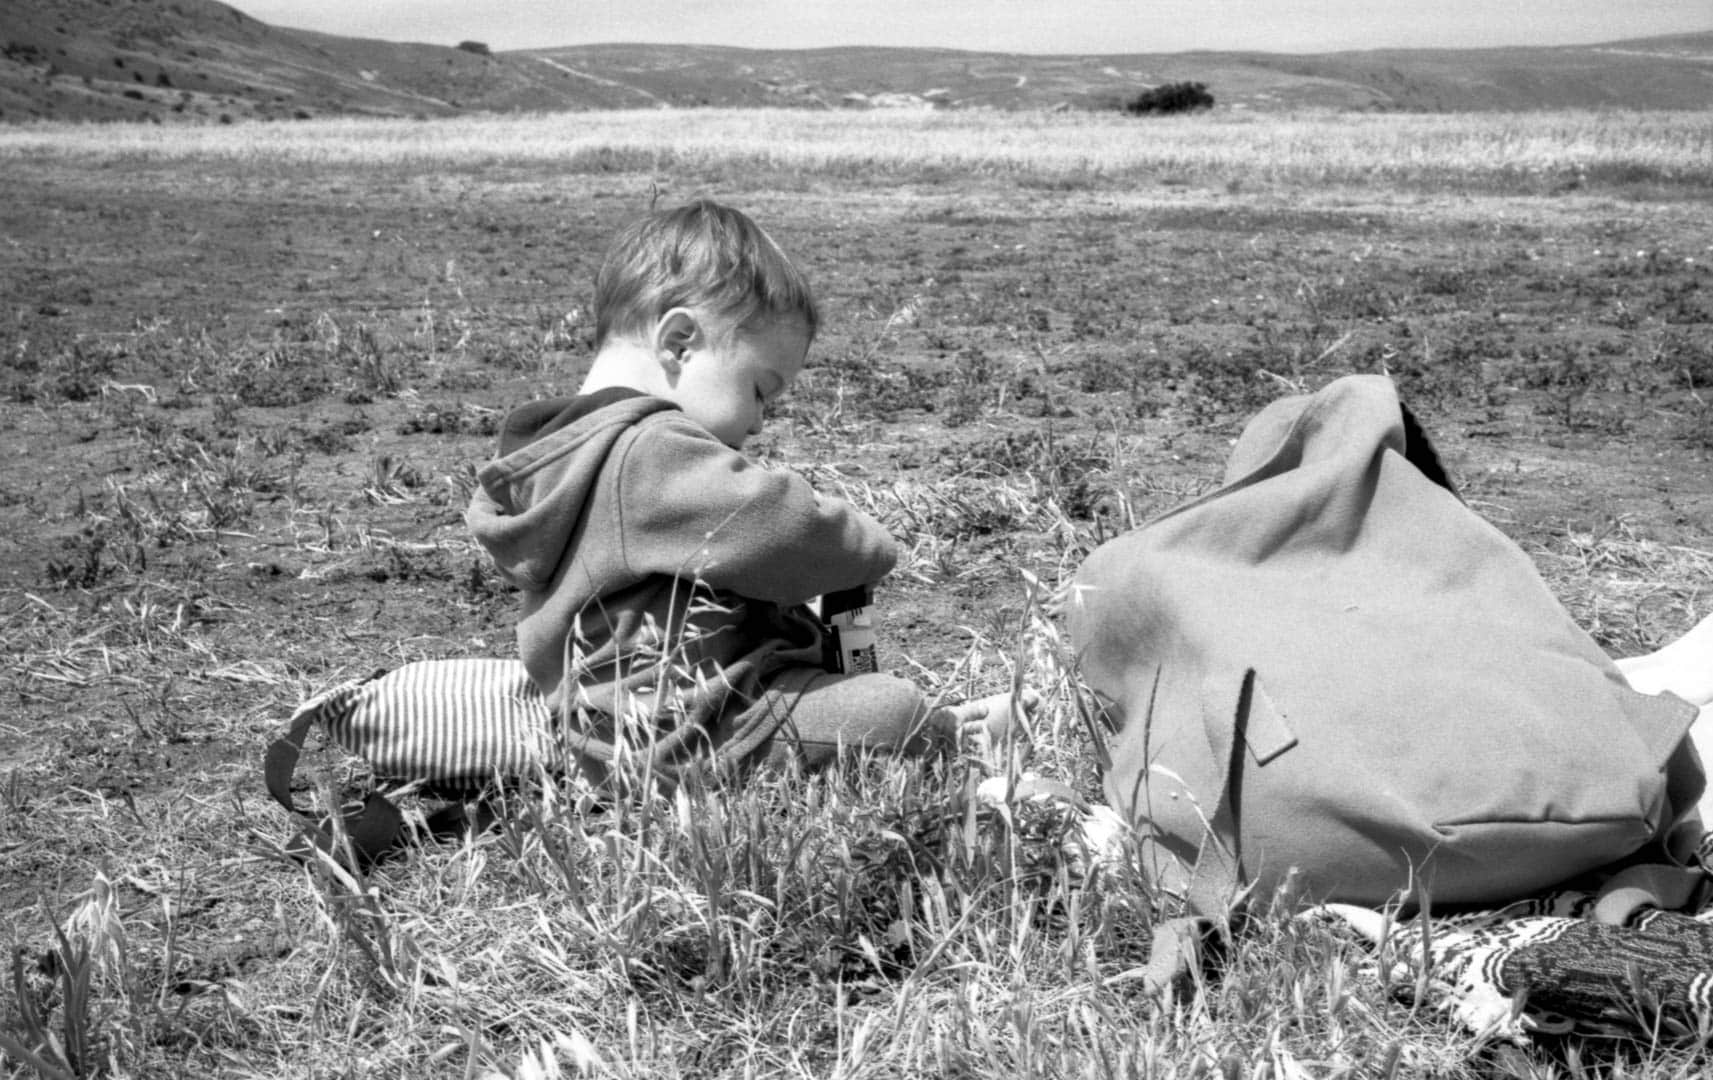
{"type": "Point", "coordinates": [200, 60]}
{"type": "Point", "coordinates": [1664, 73]}
{"type": "Point", "coordinates": [1652, 73]}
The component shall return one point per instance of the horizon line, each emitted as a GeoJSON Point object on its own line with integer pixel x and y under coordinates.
{"type": "Point", "coordinates": [637, 44]}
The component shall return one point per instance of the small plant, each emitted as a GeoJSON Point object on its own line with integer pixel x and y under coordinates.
{"type": "Point", "coordinates": [56, 1052]}
{"type": "Point", "coordinates": [391, 480]}
{"type": "Point", "coordinates": [85, 1003]}
{"type": "Point", "coordinates": [83, 567]}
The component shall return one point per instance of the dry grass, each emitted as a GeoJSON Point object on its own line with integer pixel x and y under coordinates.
{"type": "Point", "coordinates": [1630, 593]}
{"type": "Point", "coordinates": [874, 923]}
{"type": "Point", "coordinates": [1566, 149]}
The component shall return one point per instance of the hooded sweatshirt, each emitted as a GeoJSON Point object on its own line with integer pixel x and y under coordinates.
{"type": "Point", "coordinates": [663, 575]}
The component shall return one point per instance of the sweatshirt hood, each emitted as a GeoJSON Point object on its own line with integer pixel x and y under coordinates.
{"type": "Point", "coordinates": [530, 500]}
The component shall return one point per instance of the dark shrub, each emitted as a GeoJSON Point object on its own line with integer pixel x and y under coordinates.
{"type": "Point", "coordinates": [1170, 98]}
{"type": "Point", "coordinates": [477, 47]}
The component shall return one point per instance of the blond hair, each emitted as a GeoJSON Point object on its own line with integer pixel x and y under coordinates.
{"type": "Point", "coordinates": [704, 256]}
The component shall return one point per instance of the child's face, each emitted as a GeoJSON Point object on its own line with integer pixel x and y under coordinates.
{"type": "Point", "coordinates": [727, 380]}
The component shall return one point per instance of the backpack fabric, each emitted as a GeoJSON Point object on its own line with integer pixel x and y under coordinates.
{"type": "Point", "coordinates": [1331, 669]}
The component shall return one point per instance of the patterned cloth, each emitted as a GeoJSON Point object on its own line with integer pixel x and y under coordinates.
{"type": "Point", "coordinates": [1553, 964]}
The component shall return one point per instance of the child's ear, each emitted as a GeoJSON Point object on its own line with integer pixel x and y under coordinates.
{"type": "Point", "coordinates": [675, 334]}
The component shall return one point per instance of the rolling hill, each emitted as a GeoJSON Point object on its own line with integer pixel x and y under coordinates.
{"type": "Point", "coordinates": [201, 60]}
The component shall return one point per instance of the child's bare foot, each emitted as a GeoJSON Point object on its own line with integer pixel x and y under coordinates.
{"type": "Point", "coordinates": [985, 721]}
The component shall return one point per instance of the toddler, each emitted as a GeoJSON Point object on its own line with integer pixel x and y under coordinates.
{"type": "Point", "coordinates": [663, 572]}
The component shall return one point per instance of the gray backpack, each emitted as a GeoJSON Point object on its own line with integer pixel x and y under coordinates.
{"type": "Point", "coordinates": [1332, 669]}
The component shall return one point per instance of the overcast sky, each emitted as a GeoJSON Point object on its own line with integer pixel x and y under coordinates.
{"type": "Point", "coordinates": [1039, 26]}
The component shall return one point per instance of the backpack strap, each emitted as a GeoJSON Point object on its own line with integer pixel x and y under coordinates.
{"type": "Point", "coordinates": [1249, 731]}
{"type": "Point", "coordinates": [373, 830]}
{"type": "Point", "coordinates": [1217, 876]}
{"type": "Point", "coordinates": [1243, 729]}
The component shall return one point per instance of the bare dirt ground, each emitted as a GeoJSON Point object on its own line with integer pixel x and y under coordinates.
{"type": "Point", "coordinates": [243, 408]}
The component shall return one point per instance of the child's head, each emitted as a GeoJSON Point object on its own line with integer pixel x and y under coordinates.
{"type": "Point", "coordinates": [702, 256]}
{"type": "Point", "coordinates": [712, 300]}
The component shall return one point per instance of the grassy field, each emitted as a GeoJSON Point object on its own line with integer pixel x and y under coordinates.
{"type": "Point", "coordinates": [249, 372]}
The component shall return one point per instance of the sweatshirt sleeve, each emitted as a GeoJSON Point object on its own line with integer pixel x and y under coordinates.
{"type": "Point", "coordinates": [692, 507]}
